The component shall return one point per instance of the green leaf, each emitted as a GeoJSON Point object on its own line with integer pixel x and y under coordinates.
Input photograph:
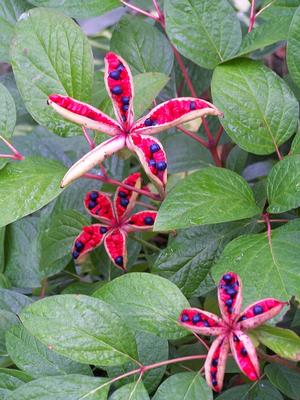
{"type": "Point", "coordinates": [22, 253]}
{"type": "Point", "coordinates": [243, 90]}
{"type": "Point", "coordinates": [82, 328]}
{"type": "Point", "coordinates": [284, 185]}
{"type": "Point", "coordinates": [131, 391]}
{"type": "Point", "coordinates": [7, 320]}
{"type": "Point", "coordinates": [2, 246]}
{"type": "Point", "coordinates": [11, 379]}
{"type": "Point", "coordinates": [273, 265]}
{"type": "Point", "coordinates": [50, 54]}
{"type": "Point", "coordinates": [186, 385]}
{"type": "Point", "coordinates": [10, 10]}
{"type": "Point", "coordinates": [56, 240]}
{"type": "Point", "coordinates": [285, 379]}
{"type": "Point", "coordinates": [27, 186]}
{"type": "Point", "coordinates": [142, 45]}
{"type": "Point", "coordinates": [13, 301]}
{"type": "Point", "coordinates": [261, 390]}
{"type": "Point", "coordinates": [293, 53]}
{"type": "Point", "coordinates": [7, 113]}
{"type": "Point", "coordinates": [70, 387]}
{"type": "Point", "coordinates": [204, 31]}
{"type": "Point", "coordinates": [189, 257]}
{"type": "Point", "coordinates": [79, 9]}
{"type": "Point", "coordinates": [36, 359]}
{"type": "Point", "coordinates": [208, 196]}
{"type": "Point", "coordinates": [147, 302]}
{"type": "Point", "coordinates": [283, 342]}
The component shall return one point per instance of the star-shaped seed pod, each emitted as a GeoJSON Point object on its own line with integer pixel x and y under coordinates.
{"type": "Point", "coordinates": [136, 136]}
{"type": "Point", "coordinates": [115, 222]}
{"type": "Point", "coordinates": [230, 329]}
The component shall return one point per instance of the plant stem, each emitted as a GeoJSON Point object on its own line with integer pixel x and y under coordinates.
{"type": "Point", "coordinates": [252, 16]}
{"type": "Point", "coordinates": [278, 360]}
{"type": "Point", "coordinates": [262, 221]}
{"type": "Point", "coordinates": [145, 243]}
{"type": "Point", "coordinates": [139, 10]}
{"type": "Point", "coordinates": [219, 134]}
{"type": "Point", "coordinates": [16, 155]}
{"type": "Point", "coordinates": [92, 145]}
{"type": "Point", "coordinates": [146, 205]}
{"type": "Point", "coordinates": [193, 136]}
{"type": "Point", "coordinates": [266, 218]}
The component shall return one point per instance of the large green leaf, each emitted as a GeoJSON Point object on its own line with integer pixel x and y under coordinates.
{"type": "Point", "coordinates": [260, 110]}
{"type": "Point", "coordinates": [284, 185]}
{"type": "Point", "coordinates": [285, 379]}
{"type": "Point", "coordinates": [11, 379]}
{"type": "Point", "coordinates": [186, 385]}
{"type": "Point", "coordinates": [147, 302]}
{"type": "Point", "coordinates": [79, 9]}
{"type": "Point", "coordinates": [142, 45]}
{"type": "Point", "coordinates": [131, 391]}
{"type": "Point", "coordinates": [36, 359]}
{"type": "Point", "coordinates": [50, 54]}
{"type": "Point", "coordinates": [283, 342]}
{"type": "Point", "coordinates": [27, 186]}
{"type": "Point", "coordinates": [204, 31]}
{"type": "Point", "coordinates": [293, 52]}
{"type": "Point", "coordinates": [70, 387]}
{"type": "Point", "coordinates": [208, 196]}
{"type": "Point", "coordinates": [56, 240]}
{"type": "Point", "coordinates": [82, 328]}
{"type": "Point", "coordinates": [188, 258]}
{"type": "Point", "coordinates": [273, 266]}
{"type": "Point", "coordinates": [7, 320]}
{"type": "Point", "coordinates": [7, 112]}
{"type": "Point", "coordinates": [10, 10]}
{"type": "Point", "coordinates": [13, 301]}
{"type": "Point", "coordinates": [260, 390]}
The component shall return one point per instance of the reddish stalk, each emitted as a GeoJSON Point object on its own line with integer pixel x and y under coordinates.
{"type": "Point", "coordinates": [218, 135]}
{"type": "Point", "coordinates": [252, 16]}
{"type": "Point", "coordinates": [92, 145]}
{"type": "Point", "coordinates": [16, 154]}
{"type": "Point", "coordinates": [262, 221]}
{"type": "Point", "coordinates": [139, 10]}
{"type": "Point", "coordinates": [278, 360]}
{"type": "Point", "coordinates": [201, 341]}
{"type": "Point", "coordinates": [147, 205]}
{"type": "Point", "coordinates": [193, 136]}
{"type": "Point", "coordinates": [266, 218]}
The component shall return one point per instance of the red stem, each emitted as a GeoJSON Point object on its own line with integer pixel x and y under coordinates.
{"type": "Point", "coordinates": [194, 136]}
{"type": "Point", "coordinates": [252, 16]}
{"type": "Point", "coordinates": [266, 218]}
{"type": "Point", "coordinates": [139, 10]}
{"type": "Point", "coordinates": [218, 135]}
{"type": "Point", "coordinates": [16, 155]}
{"type": "Point", "coordinates": [184, 72]}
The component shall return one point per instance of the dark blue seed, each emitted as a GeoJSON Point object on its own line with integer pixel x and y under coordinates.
{"type": "Point", "coordinates": [120, 67]}
{"type": "Point", "coordinates": [192, 105]}
{"type": "Point", "coordinates": [79, 246]}
{"type": "Point", "coordinates": [258, 310]}
{"type": "Point", "coordinates": [214, 362]}
{"type": "Point", "coordinates": [161, 165]}
{"type": "Point", "coordinates": [119, 261]}
{"type": "Point", "coordinates": [148, 221]}
{"type": "Point", "coordinates": [94, 196]}
{"type": "Point", "coordinates": [184, 318]}
{"type": "Point", "coordinates": [214, 374]}
{"type": "Point", "coordinates": [92, 204]}
{"type": "Point", "coordinates": [235, 338]}
{"type": "Point", "coordinates": [229, 302]}
{"type": "Point", "coordinates": [117, 90]}
{"type": "Point", "coordinates": [227, 278]}
{"type": "Point", "coordinates": [243, 317]}
{"type": "Point", "coordinates": [196, 318]}
{"type": "Point", "coordinates": [125, 100]}
{"type": "Point", "coordinates": [75, 254]}
{"type": "Point", "coordinates": [152, 163]}
{"type": "Point", "coordinates": [124, 118]}
{"type": "Point", "coordinates": [103, 230]}
{"type": "Point", "coordinates": [124, 202]}
{"type": "Point", "coordinates": [229, 309]}
{"type": "Point", "coordinates": [148, 122]}
{"type": "Point", "coordinates": [154, 148]}
{"type": "Point", "coordinates": [115, 75]}
{"type": "Point", "coordinates": [122, 194]}
{"type": "Point", "coordinates": [125, 107]}
{"type": "Point", "coordinates": [206, 324]}
{"type": "Point", "coordinates": [244, 352]}
{"type": "Point", "coordinates": [214, 382]}
{"type": "Point", "coordinates": [231, 292]}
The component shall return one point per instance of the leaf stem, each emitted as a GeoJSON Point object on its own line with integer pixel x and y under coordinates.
{"type": "Point", "coordinates": [16, 154]}
{"type": "Point", "coordinates": [145, 243]}
{"type": "Point", "coordinates": [252, 16]}
{"type": "Point", "coordinates": [193, 136]}
{"type": "Point", "coordinates": [139, 10]}
{"type": "Point", "coordinates": [278, 360]}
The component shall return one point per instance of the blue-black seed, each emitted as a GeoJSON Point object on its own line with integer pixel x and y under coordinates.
{"type": "Point", "coordinates": [192, 105]}
{"type": "Point", "coordinates": [79, 246]}
{"type": "Point", "coordinates": [115, 75]}
{"type": "Point", "coordinates": [122, 194]}
{"type": "Point", "coordinates": [243, 317]}
{"type": "Point", "coordinates": [214, 362]}
{"type": "Point", "coordinates": [229, 302]}
{"type": "Point", "coordinates": [161, 165]}
{"type": "Point", "coordinates": [244, 352]}
{"type": "Point", "coordinates": [206, 324]}
{"type": "Point", "coordinates": [117, 90]}
{"type": "Point", "coordinates": [184, 318]}
{"type": "Point", "coordinates": [214, 382]}
{"type": "Point", "coordinates": [92, 204]}
{"type": "Point", "coordinates": [231, 292]}
{"type": "Point", "coordinates": [227, 278]}
{"type": "Point", "coordinates": [213, 374]}
{"type": "Point", "coordinates": [235, 338]}
{"type": "Point", "coordinates": [258, 310]}
{"type": "Point", "coordinates": [124, 118]}
{"type": "Point", "coordinates": [75, 254]}
{"type": "Point", "coordinates": [196, 318]}
{"type": "Point", "coordinates": [229, 309]}
{"type": "Point", "coordinates": [103, 230]}
{"type": "Point", "coordinates": [119, 260]}
{"type": "Point", "coordinates": [152, 163]}
{"type": "Point", "coordinates": [94, 196]}
{"type": "Point", "coordinates": [120, 67]}
{"type": "Point", "coordinates": [148, 122]}
{"type": "Point", "coordinates": [125, 100]}
{"type": "Point", "coordinates": [154, 148]}
{"type": "Point", "coordinates": [148, 221]}
{"type": "Point", "coordinates": [125, 107]}
{"type": "Point", "coordinates": [124, 202]}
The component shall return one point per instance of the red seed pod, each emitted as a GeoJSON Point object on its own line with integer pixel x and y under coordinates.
{"type": "Point", "coordinates": [201, 321]}
{"type": "Point", "coordinates": [142, 221]}
{"type": "Point", "coordinates": [125, 199]}
{"type": "Point", "coordinates": [216, 362]}
{"type": "Point", "coordinates": [115, 245]}
{"type": "Point", "coordinates": [90, 238]}
{"type": "Point", "coordinates": [99, 205]}
{"type": "Point", "coordinates": [230, 295]}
